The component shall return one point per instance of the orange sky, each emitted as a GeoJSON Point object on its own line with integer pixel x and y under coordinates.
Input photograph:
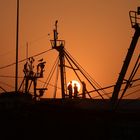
{"type": "Point", "coordinates": [97, 34]}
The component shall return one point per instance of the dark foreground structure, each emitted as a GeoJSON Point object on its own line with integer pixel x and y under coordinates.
{"type": "Point", "coordinates": [66, 119]}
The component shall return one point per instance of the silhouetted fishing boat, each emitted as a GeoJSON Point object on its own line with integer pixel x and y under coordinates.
{"type": "Point", "coordinates": [66, 61]}
{"type": "Point", "coordinates": [73, 116]}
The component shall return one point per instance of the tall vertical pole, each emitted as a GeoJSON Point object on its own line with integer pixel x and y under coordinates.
{"type": "Point", "coordinates": [59, 46]}
{"type": "Point", "coordinates": [17, 32]}
{"type": "Point", "coordinates": [61, 58]}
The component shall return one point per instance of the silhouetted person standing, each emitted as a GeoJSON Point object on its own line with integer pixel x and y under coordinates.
{"type": "Point", "coordinates": [70, 89]}
{"type": "Point", "coordinates": [75, 90]}
{"type": "Point", "coordinates": [84, 90]}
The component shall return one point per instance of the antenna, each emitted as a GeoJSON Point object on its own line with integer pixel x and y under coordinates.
{"type": "Point", "coordinates": [55, 34]}
{"type": "Point", "coordinates": [17, 32]}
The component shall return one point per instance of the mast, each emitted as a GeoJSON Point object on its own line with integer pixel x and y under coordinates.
{"type": "Point", "coordinates": [17, 32]}
{"type": "Point", "coordinates": [59, 46]}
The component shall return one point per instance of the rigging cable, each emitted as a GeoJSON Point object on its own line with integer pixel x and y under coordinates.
{"type": "Point", "coordinates": [8, 85]}
{"type": "Point", "coordinates": [56, 81]}
{"type": "Point", "coordinates": [101, 89]}
{"type": "Point", "coordinates": [49, 84]}
{"type": "Point", "coordinates": [51, 73]}
{"type": "Point", "coordinates": [128, 83]}
{"type": "Point", "coordinates": [83, 69]}
{"type": "Point", "coordinates": [8, 76]}
{"type": "Point", "coordinates": [3, 89]}
{"type": "Point", "coordinates": [133, 91]}
{"type": "Point", "coordinates": [75, 63]}
{"type": "Point", "coordinates": [132, 101]}
{"type": "Point", "coordinates": [76, 74]}
{"type": "Point", "coordinates": [86, 73]}
{"type": "Point", "coordinates": [6, 66]}
{"type": "Point", "coordinates": [120, 90]}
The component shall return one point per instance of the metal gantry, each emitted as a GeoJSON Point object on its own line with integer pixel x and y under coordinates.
{"type": "Point", "coordinates": [31, 76]}
{"type": "Point", "coordinates": [135, 22]}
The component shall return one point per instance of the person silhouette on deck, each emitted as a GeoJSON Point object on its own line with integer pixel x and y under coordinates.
{"type": "Point", "coordinates": [75, 90]}
{"type": "Point", "coordinates": [84, 90]}
{"type": "Point", "coordinates": [70, 89]}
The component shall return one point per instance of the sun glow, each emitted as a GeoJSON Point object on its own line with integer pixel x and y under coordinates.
{"type": "Point", "coordinates": [75, 82]}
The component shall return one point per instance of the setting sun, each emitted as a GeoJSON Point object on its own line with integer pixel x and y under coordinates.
{"type": "Point", "coordinates": [75, 82]}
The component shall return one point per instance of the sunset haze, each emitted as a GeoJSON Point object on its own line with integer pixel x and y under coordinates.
{"type": "Point", "coordinates": [97, 34]}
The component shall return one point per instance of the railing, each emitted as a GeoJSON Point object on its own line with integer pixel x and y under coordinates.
{"type": "Point", "coordinates": [135, 18]}
{"type": "Point", "coordinates": [57, 43]}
